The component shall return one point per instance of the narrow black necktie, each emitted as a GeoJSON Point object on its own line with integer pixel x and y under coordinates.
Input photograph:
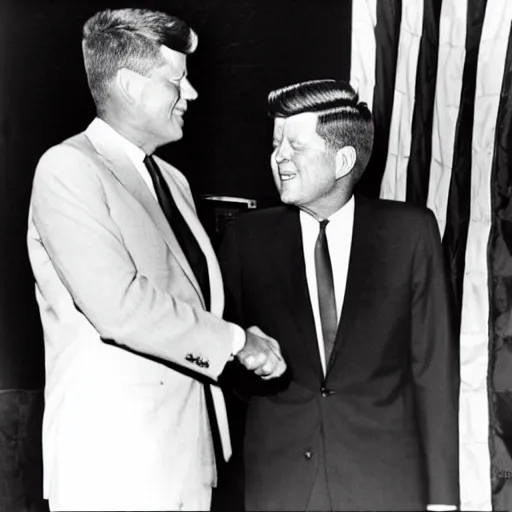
{"type": "Point", "coordinates": [325, 285]}
{"type": "Point", "coordinates": [186, 239]}
{"type": "Point", "coordinates": [197, 261]}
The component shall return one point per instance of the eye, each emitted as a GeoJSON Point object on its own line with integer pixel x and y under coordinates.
{"type": "Point", "coordinates": [275, 143]}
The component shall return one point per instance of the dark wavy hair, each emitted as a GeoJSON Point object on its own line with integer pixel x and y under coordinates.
{"type": "Point", "coordinates": [129, 38]}
{"type": "Point", "coordinates": [342, 119]}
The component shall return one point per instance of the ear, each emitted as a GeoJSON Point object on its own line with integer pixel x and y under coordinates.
{"type": "Point", "coordinates": [129, 85]}
{"type": "Point", "coordinates": [345, 160]}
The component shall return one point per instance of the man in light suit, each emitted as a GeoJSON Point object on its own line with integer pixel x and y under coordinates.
{"type": "Point", "coordinates": [129, 289]}
{"type": "Point", "coordinates": [355, 290]}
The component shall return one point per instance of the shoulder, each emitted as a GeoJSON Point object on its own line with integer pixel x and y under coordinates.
{"type": "Point", "coordinates": [399, 213]}
{"type": "Point", "coordinates": [395, 208]}
{"type": "Point", "coordinates": [263, 220]}
{"type": "Point", "coordinates": [256, 228]}
{"type": "Point", "coordinates": [70, 151]}
{"type": "Point", "coordinates": [70, 165]}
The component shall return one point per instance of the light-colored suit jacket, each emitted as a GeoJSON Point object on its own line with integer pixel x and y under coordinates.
{"type": "Point", "coordinates": [122, 430]}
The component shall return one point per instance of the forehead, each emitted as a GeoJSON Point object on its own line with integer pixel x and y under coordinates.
{"type": "Point", "coordinates": [300, 125]}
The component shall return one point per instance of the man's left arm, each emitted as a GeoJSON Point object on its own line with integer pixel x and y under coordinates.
{"type": "Point", "coordinates": [435, 367]}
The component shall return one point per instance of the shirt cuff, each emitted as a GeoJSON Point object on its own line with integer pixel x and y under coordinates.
{"type": "Point", "coordinates": [441, 508]}
{"type": "Point", "coordinates": [238, 340]}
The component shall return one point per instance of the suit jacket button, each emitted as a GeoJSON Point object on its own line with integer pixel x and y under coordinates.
{"type": "Point", "coordinates": [324, 392]}
{"type": "Point", "coordinates": [308, 454]}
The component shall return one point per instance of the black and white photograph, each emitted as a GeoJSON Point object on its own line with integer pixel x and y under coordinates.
{"type": "Point", "coordinates": [256, 255]}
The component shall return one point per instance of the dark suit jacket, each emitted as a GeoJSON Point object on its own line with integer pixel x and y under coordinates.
{"type": "Point", "coordinates": [385, 418]}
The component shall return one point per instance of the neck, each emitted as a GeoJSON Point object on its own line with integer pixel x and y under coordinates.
{"type": "Point", "coordinates": [324, 209]}
{"type": "Point", "coordinates": [129, 132]}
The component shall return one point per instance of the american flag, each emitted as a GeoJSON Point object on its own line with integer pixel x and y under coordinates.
{"type": "Point", "coordinates": [437, 75]}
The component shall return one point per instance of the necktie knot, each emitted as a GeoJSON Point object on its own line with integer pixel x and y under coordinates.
{"type": "Point", "coordinates": [323, 225]}
{"type": "Point", "coordinates": [151, 166]}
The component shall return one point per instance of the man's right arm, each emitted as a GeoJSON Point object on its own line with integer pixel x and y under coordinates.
{"type": "Point", "coordinates": [72, 217]}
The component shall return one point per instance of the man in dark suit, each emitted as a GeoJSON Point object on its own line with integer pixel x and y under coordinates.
{"type": "Point", "coordinates": [366, 417]}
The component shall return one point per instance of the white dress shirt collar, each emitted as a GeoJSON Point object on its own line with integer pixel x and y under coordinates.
{"type": "Point", "coordinates": [339, 218]}
{"type": "Point", "coordinates": [132, 151]}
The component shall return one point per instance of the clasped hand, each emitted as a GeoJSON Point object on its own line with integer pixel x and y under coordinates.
{"type": "Point", "coordinates": [262, 354]}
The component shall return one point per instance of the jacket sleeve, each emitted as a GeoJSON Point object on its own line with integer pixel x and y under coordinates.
{"type": "Point", "coordinates": [70, 212]}
{"type": "Point", "coordinates": [435, 367]}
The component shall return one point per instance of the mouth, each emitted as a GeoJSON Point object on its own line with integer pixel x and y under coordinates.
{"type": "Point", "coordinates": [180, 109]}
{"type": "Point", "coordinates": [286, 175]}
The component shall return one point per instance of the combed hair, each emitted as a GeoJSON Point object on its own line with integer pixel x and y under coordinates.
{"type": "Point", "coordinates": [342, 119]}
{"type": "Point", "coordinates": [129, 38]}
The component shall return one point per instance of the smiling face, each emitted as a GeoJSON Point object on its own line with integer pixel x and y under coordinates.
{"type": "Point", "coordinates": [304, 171]}
{"type": "Point", "coordinates": [163, 97]}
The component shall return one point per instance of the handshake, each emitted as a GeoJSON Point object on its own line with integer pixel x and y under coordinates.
{"type": "Point", "coordinates": [261, 354]}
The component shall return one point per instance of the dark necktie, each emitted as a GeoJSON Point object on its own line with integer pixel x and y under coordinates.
{"type": "Point", "coordinates": [186, 239]}
{"type": "Point", "coordinates": [197, 261]}
{"type": "Point", "coordinates": [326, 297]}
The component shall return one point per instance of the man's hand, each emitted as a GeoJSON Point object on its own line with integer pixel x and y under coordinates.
{"type": "Point", "coordinates": [262, 354]}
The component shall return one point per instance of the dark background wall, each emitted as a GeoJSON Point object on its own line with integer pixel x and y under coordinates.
{"type": "Point", "coordinates": [246, 48]}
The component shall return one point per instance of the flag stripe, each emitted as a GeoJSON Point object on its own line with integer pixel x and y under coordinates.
{"type": "Point", "coordinates": [394, 181]}
{"type": "Point", "coordinates": [387, 31]}
{"type": "Point", "coordinates": [500, 269]}
{"type": "Point", "coordinates": [362, 59]}
{"type": "Point", "coordinates": [457, 213]}
{"type": "Point", "coordinates": [452, 42]}
{"type": "Point", "coordinates": [418, 170]}
{"type": "Point", "coordinates": [475, 457]}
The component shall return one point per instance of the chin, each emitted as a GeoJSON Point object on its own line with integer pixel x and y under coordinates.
{"type": "Point", "coordinates": [288, 198]}
{"type": "Point", "coordinates": [175, 135]}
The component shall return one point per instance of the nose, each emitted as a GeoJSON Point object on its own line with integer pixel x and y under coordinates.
{"type": "Point", "coordinates": [282, 152]}
{"type": "Point", "coordinates": [187, 91]}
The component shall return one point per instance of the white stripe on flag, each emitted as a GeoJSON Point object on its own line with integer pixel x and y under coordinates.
{"type": "Point", "coordinates": [362, 64]}
{"type": "Point", "coordinates": [452, 52]}
{"type": "Point", "coordinates": [474, 422]}
{"type": "Point", "coordinates": [394, 182]}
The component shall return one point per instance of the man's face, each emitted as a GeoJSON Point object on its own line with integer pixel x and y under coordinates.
{"type": "Point", "coordinates": [162, 102]}
{"type": "Point", "coordinates": [304, 172]}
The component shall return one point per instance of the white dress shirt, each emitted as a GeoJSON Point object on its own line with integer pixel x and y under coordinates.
{"type": "Point", "coordinates": [136, 157]}
{"type": "Point", "coordinates": [339, 240]}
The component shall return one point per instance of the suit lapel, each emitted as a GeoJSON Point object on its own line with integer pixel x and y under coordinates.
{"type": "Point", "coordinates": [122, 168]}
{"type": "Point", "coordinates": [291, 272]}
{"type": "Point", "coordinates": [364, 237]}
{"type": "Point", "coordinates": [185, 203]}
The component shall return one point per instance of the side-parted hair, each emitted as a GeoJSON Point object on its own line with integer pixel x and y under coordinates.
{"type": "Point", "coordinates": [342, 119]}
{"type": "Point", "coordinates": [129, 38]}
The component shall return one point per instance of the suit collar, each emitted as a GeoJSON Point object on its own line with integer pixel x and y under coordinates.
{"type": "Point", "coordinates": [106, 143]}
{"type": "Point", "coordinates": [291, 272]}
{"type": "Point", "coordinates": [363, 250]}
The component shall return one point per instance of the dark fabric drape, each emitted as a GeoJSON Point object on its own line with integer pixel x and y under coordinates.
{"type": "Point", "coordinates": [500, 292]}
